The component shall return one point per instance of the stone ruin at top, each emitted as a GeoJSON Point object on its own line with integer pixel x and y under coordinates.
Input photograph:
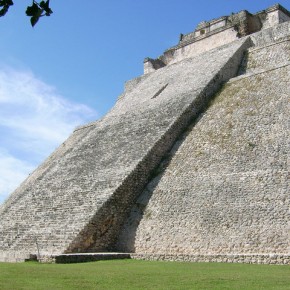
{"type": "Point", "coordinates": [190, 164]}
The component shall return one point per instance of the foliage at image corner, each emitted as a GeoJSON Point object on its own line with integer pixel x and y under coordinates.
{"type": "Point", "coordinates": [35, 11]}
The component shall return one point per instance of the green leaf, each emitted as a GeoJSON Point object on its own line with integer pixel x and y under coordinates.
{"type": "Point", "coordinates": [3, 11]}
{"type": "Point", "coordinates": [34, 20]}
{"type": "Point", "coordinates": [45, 6]}
{"type": "Point", "coordinates": [33, 10]}
{"type": "Point", "coordinates": [5, 4]}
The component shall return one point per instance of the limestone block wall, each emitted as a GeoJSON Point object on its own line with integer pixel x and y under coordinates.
{"type": "Point", "coordinates": [217, 32]}
{"type": "Point", "coordinates": [222, 194]}
{"type": "Point", "coordinates": [266, 57]}
{"type": "Point", "coordinates": [204, 44]}
{"type": "Point", "coordinates": [270, 35]}
{"type": "Point", "coordinates": [271, 48]}
{"type": "Point", "coordinates": [275, 16]}
{"type": "Point", "coordinates": [78, 199]}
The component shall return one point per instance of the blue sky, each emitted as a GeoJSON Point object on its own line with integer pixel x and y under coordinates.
{"type": "Point", "coordinates": [71, 67]}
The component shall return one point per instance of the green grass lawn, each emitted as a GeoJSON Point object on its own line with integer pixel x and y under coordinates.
{"type": "Point", "coordinates": [133, 274]}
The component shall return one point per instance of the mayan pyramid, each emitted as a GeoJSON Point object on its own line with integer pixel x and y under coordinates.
{"type": "Point", "coordinates": [191, 164]}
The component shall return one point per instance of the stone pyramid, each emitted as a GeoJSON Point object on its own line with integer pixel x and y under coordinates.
{"type": "Point", "coordinates": [191, 164]}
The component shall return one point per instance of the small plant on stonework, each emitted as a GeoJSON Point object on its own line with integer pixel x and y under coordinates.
{"type": "Point", "coordinates": [147, 214]}
{"type": "Point", "coordinates": [251, 145]}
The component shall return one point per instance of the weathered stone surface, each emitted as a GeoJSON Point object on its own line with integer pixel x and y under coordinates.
{"type": "Point", "coordinates": [273, 259]}
{"type": "Point", "coordinates": [77, 200]}
{"type": "Point", "coordinates": [211, 181]}
{"type": "Point", "coordinates": [224, 189]}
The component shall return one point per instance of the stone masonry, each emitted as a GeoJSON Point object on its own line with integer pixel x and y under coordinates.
{"type": "Point", "coordinates": [190, 164]}
{"type": "Point", "coordinates": [222, 194]}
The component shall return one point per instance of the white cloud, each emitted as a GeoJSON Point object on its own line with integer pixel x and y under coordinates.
{"type": "Point", "coordinates": [12, 172]}
{"type": "Point", "coordinates": [34, 120]}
